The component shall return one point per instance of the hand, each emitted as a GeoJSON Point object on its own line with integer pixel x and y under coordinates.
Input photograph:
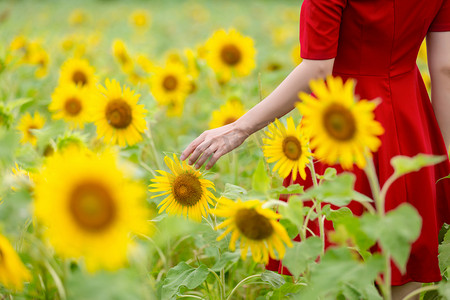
{"type": "Point", "coordinates": [214, 143]}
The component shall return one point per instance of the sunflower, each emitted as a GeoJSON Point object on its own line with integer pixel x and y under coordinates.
{"type": "Point", "coordinates": [257, 227]}
{"type": "Point", "coordinates": [77, 17]}
{"type": "Point", "coordinates": [187, 191]}
{"type": "Point", "coordinates": [121, 54]}
{"type": "Point", "coordinates": [71, 103]}
{"type": "Point", "coordinates": [118, 116]}
{"type": "Point", "coordinates": [230, 53]}
{"type": "Point", "coordinates": [342, 129]}
{"type": "Point", "coordinates": [79, 72]}
{"type": "Point", "coordinates": [21, 178]}
{"type": "Point", "coordinates": [12, 271]}
{"type": "Point", "coordinates": [226, 114]}
{"type": "Point", "coordinates": [170, 83]}
{"type": "Point", "coordinates": [288, 146]}
{"type": "Point", "coordinates": [140, 18]}
{"type": "Point", "coordinates": [27, 124]}
{"type": "Point", "coordinates": [94, 208]}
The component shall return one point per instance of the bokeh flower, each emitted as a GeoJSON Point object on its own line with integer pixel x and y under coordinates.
{"type": "Point", "coordinates": [27, 124]}
{"type": "Point", "coordinates": [13, 273]}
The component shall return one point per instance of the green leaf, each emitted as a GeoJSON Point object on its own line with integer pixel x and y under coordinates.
{"type": "Point", "coordinates": [302, 254]}
{"type": "Point", "coordinates": [405, 164]}
{"type": "Point", "coordinates": [338, 191]}
{"type": "Point", "coordinates": [291, 229]}
{"type": "Point", "coordinates": [446, 177]}
{"type": "Point", "coordinates": [275, 279]}
{"type": "Point", "coordinates": [330, 174]}
{"type": "Point", "coordinates": [349, 225]}
{"type": "Point", "coordinates": [444, 289]}
{"type": "Point", "coordinates": [293, 211]}
{"type": "Point", "coordinates": [226, 259]}
{"type": "Point", "coordinates": [337, 269]}
{"type": "Point", "coordinates": [444, 253]}
{"type": "Point", "coordinates": [260, 180]}
{"type": "Point", "coordinates": [183, 275]}
{"type": "Point", "coordinates": [396, 231]}
{"type": "Point", "coordinates": [233, 191]}
{"type": "Point", "coordinates": [292, 189]}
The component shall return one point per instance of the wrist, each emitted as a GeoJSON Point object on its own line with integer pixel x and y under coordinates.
{"type": "Point", "coordinates": [242, 127]}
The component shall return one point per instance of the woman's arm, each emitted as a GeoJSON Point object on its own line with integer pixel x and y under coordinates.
{"type": "Point", "coordinates": [219, 141]}
{"type": "Point", "coordinates": [438, 47]}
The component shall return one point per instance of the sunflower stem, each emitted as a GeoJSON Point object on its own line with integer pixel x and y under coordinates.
{"type": "Point", "coordinates": [241, 283]}
{"type": "Point", "coordinates": [152, 145]}
{"type": "Point", "coordinates": [57, 280]}
{"type": "Point", "coordinates": [318, 206]}
{"type": "Point", "coordinates": [236, 168]}
{"type": "Point", "coordinates": [219, 280]}
{"type": "Point", "coordinates": [380, 210]}
{"type": "Point", "coordinates": [418, 291]}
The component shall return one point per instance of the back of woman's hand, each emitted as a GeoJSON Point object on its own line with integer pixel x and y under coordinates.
{"type": "Point", "coordinates": [214, 143]}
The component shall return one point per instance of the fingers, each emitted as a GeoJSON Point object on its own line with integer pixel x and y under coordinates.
{"type": "Point", "coordinates": [192, 146]}
{"type": "Point", "coordinates": [205, 155]}
{"type": "Point", "coordinates": [198, 151]}
{"type": "Point", "coordinates": [218, 154]}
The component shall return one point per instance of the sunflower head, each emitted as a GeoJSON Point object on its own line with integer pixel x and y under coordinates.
{"type": "Point", "coordinates": [79, 72]}
{"type": "Point", "coordinates": [257, 227]}
{"type": "Point", "coordinates": [12, 271]}
{"type": "Point", "coordinates": [95, 207]}
{"type": "Point", "coordinates": [187, 192]}
{"type": "Point", "coordinates": [140, 18]}
{"type": "Point", "coordinates": [121, 54]}
{"type": "Point", "coordinates": [288, 147]}
{"type": "Point", "coordinates": [171, 83]}
{"type": "Point", "coordinates": [342, 129]}
{"type": "Point", "coordinates": [27, 124]}
{"type": "Point", "coordinates": [118, 116]}
{"type": "Point", "coordinates": [71, 103]}
{"type": "Point", "coordinates": [227, 114]}
{"type": "Point", "coordinates": [230, 53]}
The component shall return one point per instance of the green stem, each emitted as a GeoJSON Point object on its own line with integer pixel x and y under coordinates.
{"type": "Point", "coordinates": [57, 280]}
{"type": "Point", "coordinates": [241, 283]}
{"type": "Point", "coordinates": [221, 287]}
{"type": "Point", "coordinates": [379, 205]}
{"type": "Point", "coordinates": [158, 249]}
{"type": "Point", "coordinates": [191, 296]}
{"type": "Point", "coordinates": [236, 168]}
{"type": "Point", "coordinates": [421, 290]}
{"type": "Point", "coordinates": [318, 206]}
{"type": "Point", "coordinates": [152, 145]}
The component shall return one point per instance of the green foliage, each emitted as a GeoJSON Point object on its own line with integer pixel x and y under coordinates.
{"type": "Point", "coordinates": [404, 164]}
{"type": "Point", "coordinates": [260, 179]}
{"type": "Point", "coordinates": [395, 232]}
{"type": "Point", "coordinates": [293, 211]}
{"type": "Point", "coordinates": [275, 279]}
{"type": "Point", "coordinates": [302, 255]}
{"type": "Point", "coordinates": [444, 253]}
{"type": "Point", "coordinates": [338, 269]}
{"type": "Point", "coordinates": [181, 276]}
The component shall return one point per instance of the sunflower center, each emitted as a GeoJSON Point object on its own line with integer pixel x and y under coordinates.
{"type": "Point", "coordinates": [170, 83]}
{"type": "Point", "coordinates": [339, 122]}
{"type": "Point", "coordinates": [118, 114]}
{"type": "Point", "coordinates": [292, 148]}
{"type": "Point", "coordinates": [79, 77]}
{"type": "Point", "coordinates": [92, 206]}
{"type": "Point", "coordinates": [1, 257]}
{"type": "Point", "coordinates": [72, 106]}
{"type": "Point", "coordinates": [229, 120]}
{"type": "Point", "coordinates": [30, 130]}
{"type": "Point", "coordinates": [231, 55]}
{"type": "Point", "coordinates": [253, 225]}
{"type": "Point", "coordinates": [187, 189]}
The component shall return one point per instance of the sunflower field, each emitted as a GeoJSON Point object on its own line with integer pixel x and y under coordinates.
{"type": "Point", "coordinates": [98, 100]}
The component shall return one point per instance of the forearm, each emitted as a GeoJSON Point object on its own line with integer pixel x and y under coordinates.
{"type": "Point", "coordinates": [439, 66]}
{"type": "Point", "coordinates": [282, 100]}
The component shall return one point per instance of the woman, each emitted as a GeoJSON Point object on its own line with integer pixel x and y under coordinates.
{"type": "Point", "coordinates": [376, 42]}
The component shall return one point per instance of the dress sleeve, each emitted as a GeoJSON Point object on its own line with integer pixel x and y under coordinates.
{"type": "Point", "coordinates": [320, 21]}
{"type": "Point", "coordinates": [442, 20]}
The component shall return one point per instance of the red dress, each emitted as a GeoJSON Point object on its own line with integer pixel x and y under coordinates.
{"type": "Point", "coordinates": [376, 42]}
